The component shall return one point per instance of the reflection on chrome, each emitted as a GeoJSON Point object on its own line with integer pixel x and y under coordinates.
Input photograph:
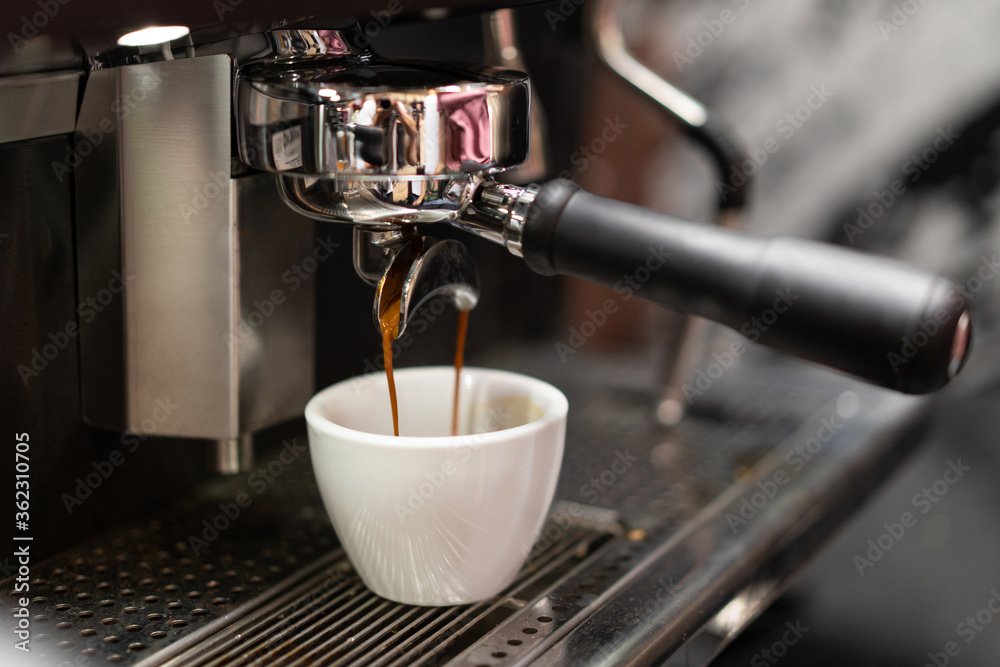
{"type": "Point", "coordinates": [379, 201]}
{"type": "Point", "coordinates": [743, 608]}
{"type": "Point", "coordinates": [317, 107]}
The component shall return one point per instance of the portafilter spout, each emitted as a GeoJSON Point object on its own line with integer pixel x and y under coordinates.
{"type": "Point", "coordinates": [422, 270]}
{"type": "Point", "coordinates": [411, 269]}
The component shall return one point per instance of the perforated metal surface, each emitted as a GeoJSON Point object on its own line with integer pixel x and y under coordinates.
{"type": "Point", "coordinates": [126, 601]}
{"type": "Point", "coordinates": [135, 591]}
{"type": "Point", "coordinates": [332, 619]}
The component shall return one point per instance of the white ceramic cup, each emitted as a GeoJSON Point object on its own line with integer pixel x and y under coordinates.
{"type": "Point", "coordinates": [427, 518]}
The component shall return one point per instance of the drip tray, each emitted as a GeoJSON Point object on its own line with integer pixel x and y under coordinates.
{"type": "Point", "coordinates": [329, 617]}
{"type": "Point", "coordinates": [140, 596]}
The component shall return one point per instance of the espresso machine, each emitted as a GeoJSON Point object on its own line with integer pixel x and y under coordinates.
{"type": "Point", "coordinates": [197, 228]}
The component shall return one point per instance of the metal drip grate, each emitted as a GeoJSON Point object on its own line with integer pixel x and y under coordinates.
{"type": "Point", "coordinates": [331, 618]}
{"type": "Point", "coordinates": [130, 597]}
{"type": "Point", "coordinates": [138, 599]}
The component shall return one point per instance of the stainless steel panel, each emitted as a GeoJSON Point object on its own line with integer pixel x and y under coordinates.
{"type": "Point", "coordinates": [179, 240]}
{"type": "Point", "coordinates": [38, 105]}
{"type": "Point", "coordinates": [210, 317]}
{"type": "Point", "coordinates": [275, 335]}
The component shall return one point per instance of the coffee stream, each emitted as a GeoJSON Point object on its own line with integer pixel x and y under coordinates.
{"type": "Point", "coordinates": [463, 325]}
{"type": "Point", "coordinates": [389, 324]}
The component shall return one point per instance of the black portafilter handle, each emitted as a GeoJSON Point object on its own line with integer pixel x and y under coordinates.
{"type": "Point", "coordinates": [876, 318]}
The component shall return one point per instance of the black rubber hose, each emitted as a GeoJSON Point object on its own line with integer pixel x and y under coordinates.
{"type": "Point", "coordinates": [872, 317]}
